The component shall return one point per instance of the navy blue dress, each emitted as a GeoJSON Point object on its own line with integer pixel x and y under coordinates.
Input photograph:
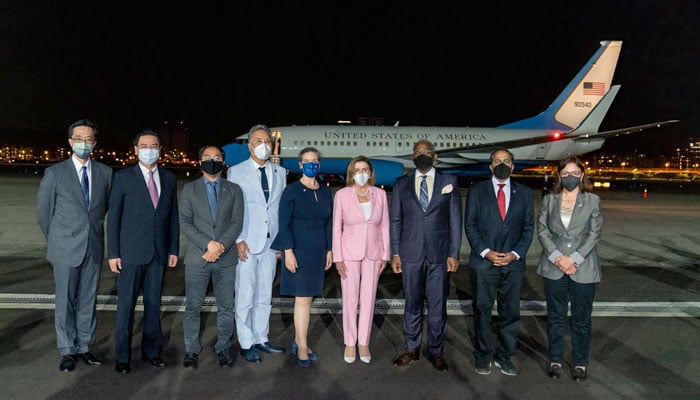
{"type": "Point", "coordinates": [306, 227]}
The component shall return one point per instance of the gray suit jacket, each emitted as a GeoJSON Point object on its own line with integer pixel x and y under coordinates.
{"type": "Point", "coordinates": [63, 218]}
{"type": "Point", "coordinates": [197, 225]}
{"type": "Point", "coordinates": [579, 240]}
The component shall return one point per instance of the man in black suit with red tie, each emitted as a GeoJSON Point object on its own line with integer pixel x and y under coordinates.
{"type": "Point", "coordinates": [499, 223]}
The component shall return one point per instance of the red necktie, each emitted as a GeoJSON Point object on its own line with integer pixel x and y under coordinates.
{"type": "Point", "coordinates": [501, 199]}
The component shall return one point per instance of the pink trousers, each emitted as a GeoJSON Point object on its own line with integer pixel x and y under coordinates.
{"type": "Point", "coordinates": [359, 288]}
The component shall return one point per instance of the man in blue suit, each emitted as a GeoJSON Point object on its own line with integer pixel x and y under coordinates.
{"type": "Point", "coordinates": [71, 209]}
{"type": "Point", "coordinates": [426, 234]}
{"type": "Point", "coordinates": [143, 236]}
{"type": "Point", "coordinates": [499, 224]}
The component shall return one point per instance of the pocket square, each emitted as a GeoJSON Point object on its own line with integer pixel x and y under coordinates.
{"type": "Point", "coordinates": [446, 189]}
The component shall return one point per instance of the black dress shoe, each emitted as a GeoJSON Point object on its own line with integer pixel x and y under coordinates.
{"type": "Point", "coordinates": [67, 363]}
{"type": "Point", "coordinates": [438, 362]}
{"type": "Point", "coordinates": [269, 348]}
{"type": "Point", "coordinates": [406, 358]}
{"type": "Point", "coordinates": [123, 368]}
{"type": "Point", "coordinates": [554, 370]}
{"type": "Point", "coordinates": [155, 361]}
{"type": "Point", "coordinates": [225, 359]}
{"type": "Point", "coordinates": [90, 358]}
{"type": "Point", "coordinates": [191, 360]}
{"type": "Point", "coordinates": [580, 374]}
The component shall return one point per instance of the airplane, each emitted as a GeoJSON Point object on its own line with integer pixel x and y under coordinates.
{"type": "Point", "coordinates": [569, 126]}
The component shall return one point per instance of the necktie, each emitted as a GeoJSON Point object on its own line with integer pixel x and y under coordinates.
{"type": "Point", "coordinates": [501, 199]}
{"type": "Point", "coordinates": [263, 183]}
{"type": "Point", "coordinates": [424, 193]}
{"type": "Point", "coordinates": [85, 186]}
{"type": "Point", "coordinates": [211, 194]}
{"type": "Point", "coordinates": [152, 190]}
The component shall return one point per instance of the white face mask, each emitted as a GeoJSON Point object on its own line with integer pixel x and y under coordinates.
{"type": "Point", "coordinates": [148, 156]}
{"type": "Point", "coordinates": [361, 179]}
{"type": "Point", "coordinates": [262, 151]}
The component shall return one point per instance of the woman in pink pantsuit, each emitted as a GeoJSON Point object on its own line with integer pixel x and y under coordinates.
{"type": "Point", "coordinates": [360, 251]}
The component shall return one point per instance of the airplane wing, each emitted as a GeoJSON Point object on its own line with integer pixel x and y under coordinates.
{"type": "Point", "coordinates": [621, 131]}
{"type": "Point", "coordinates": [462, 153]}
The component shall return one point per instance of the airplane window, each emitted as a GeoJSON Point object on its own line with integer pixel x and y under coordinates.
{"type": "Point", "coordinates": [335, 143]}
{"type": "Point", "coordinates": [354, 144]}
{"type": "Point", "coordinates": [315, 143]}
{"type": "Point", "coordinates": [295, 143]}
{"type": "Point", "coordinates": [367, 144]}
{"type": "Point", "coordinates": [374, 144]}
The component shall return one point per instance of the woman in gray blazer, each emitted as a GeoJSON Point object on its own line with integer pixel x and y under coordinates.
{"type": "Point", "coordinates": [569, 227]}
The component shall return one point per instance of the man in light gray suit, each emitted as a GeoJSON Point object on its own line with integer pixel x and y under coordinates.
{"type": "Point", "coordinates": [262, 183]}
{"type": "Point", "coordinates": [71, 209]}
{"type": "Point", "coordinates": [211, 217]}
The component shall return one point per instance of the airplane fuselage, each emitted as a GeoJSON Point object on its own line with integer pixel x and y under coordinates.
{"type": "Point", "coordinates": [396, 143]}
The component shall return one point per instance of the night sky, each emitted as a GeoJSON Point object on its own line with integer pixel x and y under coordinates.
{"type": "Point", "coordinates": [222, 67]}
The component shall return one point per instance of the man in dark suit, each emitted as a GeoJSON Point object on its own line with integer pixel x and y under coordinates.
{"type": "Point", "coordinates": [499, 223]}
{"type": "Point", "coordinates": [71, 208]}
{"type": "Point", "coordinates": [142, 237]}
{"type": "Point", "coordinates": [211, 217]}
{"type": "Point", "coordinates": [426, 234]}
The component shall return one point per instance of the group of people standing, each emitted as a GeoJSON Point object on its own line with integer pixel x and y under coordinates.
{"type": "Point", "coordinates": [236, 228]}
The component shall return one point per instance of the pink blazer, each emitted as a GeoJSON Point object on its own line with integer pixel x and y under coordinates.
{"type": "Point", "coordinates": [354, 238]}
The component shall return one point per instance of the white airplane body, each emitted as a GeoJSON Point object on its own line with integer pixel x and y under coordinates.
{"type": "Point", "coordinates": [569, 126]}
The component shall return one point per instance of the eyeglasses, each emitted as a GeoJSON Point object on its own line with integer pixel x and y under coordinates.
{"type": "Point", "coordinates": [261, 141]}
{"type": "Point", "coordinates": [427, 152]}
{"type": "Point", "coordinates": [506, 161]}
{"type": "Point", "coordinates": [80, 139]}
{"type": "Point", "coordinates": [576, 174]}
{"type": "Point", "coordinates": [215, 158]}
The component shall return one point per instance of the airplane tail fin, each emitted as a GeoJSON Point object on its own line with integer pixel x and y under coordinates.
{"type": "Point", "coordinates": [581, 96]}
{"type": "Point", "coordinates": [592, 122]}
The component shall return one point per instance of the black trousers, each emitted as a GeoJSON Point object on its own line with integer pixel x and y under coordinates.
{"type": "Point", "coordinates": [502, 285]}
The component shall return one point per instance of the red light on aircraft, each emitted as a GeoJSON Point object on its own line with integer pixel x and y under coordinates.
{"type": "Point", "coordinates": [556, 134]}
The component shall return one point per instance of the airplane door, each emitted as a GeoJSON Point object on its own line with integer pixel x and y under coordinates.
{"type": "Point", "coordinates": [400, 147]}
{"type": "Point", "coordinates": [276, 142]}
{"type": "Point", "coordinates": [541, 151]}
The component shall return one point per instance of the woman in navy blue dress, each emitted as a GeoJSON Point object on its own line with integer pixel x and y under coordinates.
{"type": "Point", "coordinates": [305, 241]}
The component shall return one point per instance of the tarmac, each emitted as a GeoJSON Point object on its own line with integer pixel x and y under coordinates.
{"type": "Point", "coordinates": [645, 328]}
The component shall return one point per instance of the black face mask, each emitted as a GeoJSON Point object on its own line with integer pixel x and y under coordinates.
{"type": "Point", "coordinates": [501, 171]}
{"type": "Point", "coordinates": [211, 167]}
{"type": "Point", "coordinates": [423, 162]}
{"type": "Point", "coordinates": [570, 182]}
